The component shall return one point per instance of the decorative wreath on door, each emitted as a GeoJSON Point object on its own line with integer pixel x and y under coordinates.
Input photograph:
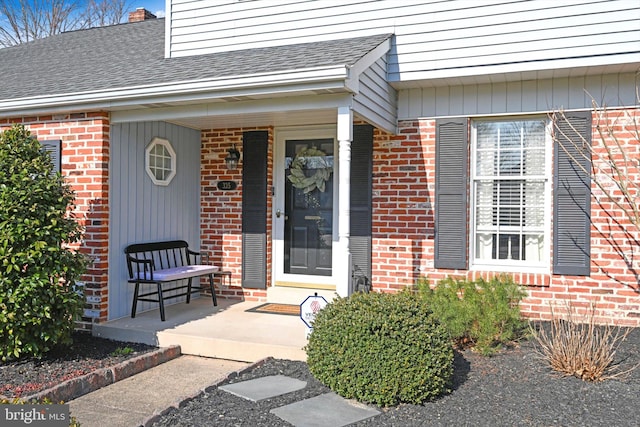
{"type": "Point", "coordinates": [299, 165]}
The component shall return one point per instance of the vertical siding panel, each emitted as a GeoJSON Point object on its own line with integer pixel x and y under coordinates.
{"type": "Point", "coordinates": [544, 100]}
{"type": "Point", "coordinates": [609, 86]}
{"type": "Point", "coordinates": [628, 97]}
{"type": "Point", "coordinates": [529, 93]}
{"type": "Point", "coordinates": [484, 99]}
{"type": "Point", "coordinates": [456, 102]}
{"type": "Point", "coordinates": [514, 96]}
{"type": "Point", "coordinates": [428, 105]}
{"type": "Point", "coordinates": [442, 101]}
{"type": "Point", "coordinates": [529, 96]}
{"type": "Point", "coordinates": [498, 97]}
{"type": "Point", "coordinates": [576, 93]}
{"type": "Point", "coordinates": [142, 211]}
{"type": "Point", "coordinates": [560, 93]}
{"type": "Point", "coordinates": [594, 89]}
{"type": "Point", "coordinates": [470, 99]}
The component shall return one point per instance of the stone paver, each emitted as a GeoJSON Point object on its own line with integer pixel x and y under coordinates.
{"type": "Point", "coordinates": [325, 410]}
{"type": "Point", "coordinates": [265, 387]}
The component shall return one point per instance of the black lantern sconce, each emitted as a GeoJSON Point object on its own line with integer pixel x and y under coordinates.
{"type": "Point", "coordinates": [233, 158]}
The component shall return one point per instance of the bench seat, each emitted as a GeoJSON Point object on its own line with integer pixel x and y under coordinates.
{"type": "Point", "coordinates": [176, 273]}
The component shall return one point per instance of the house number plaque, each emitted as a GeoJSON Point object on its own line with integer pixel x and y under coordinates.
{"type": "Point", "coordinates": [227, 185]}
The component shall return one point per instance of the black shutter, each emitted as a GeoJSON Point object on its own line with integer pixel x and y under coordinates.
{"type": "Point", "coordinates": [54, 148]}
{"type": "Point", "coordinates": [254, 209]}
{"type": "Point", "coordinates": [452, 164]}
{"type": "Point", "coordinates": [572, 194]}
{"type": "Point", "coordinates": [361, 185]}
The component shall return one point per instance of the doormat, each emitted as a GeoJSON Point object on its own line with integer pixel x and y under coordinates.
{"type": "Point", "coordinates": [274, 308]}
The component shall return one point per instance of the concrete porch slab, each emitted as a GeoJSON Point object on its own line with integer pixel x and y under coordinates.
{"type": "Point", "coordinates": [265, 387]}
{"type": "Point", "coordinates": [227, 331]}
{"type": "Point", "coordinates": [325, 410]}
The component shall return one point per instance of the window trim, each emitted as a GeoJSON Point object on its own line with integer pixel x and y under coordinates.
{"type": "Point", "coordinates": [172, 155]}
{"type": "Point", "coordinates": [510, 265]}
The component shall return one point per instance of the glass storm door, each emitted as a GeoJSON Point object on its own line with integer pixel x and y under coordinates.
{"type": "Point", "coordinates": [308, 215]}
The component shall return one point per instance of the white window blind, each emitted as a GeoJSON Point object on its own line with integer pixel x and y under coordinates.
{"type": "Point", "coordinates": [510, 192]}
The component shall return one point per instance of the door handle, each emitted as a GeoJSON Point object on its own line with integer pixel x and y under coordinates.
{"type": "Point", "coordinates": [278, 213]}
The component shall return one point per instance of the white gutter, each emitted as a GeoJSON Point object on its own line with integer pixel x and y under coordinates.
{"type": "Point", "coordinates": [309, 79]}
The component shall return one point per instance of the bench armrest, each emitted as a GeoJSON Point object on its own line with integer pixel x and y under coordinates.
{"type": "Point", "coordinates": [147, 266]}
{"type": "Point", "coordinates": [204, 256]}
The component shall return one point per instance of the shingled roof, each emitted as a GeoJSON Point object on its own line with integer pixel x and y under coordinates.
{"type": "Point", "coordinates": [132, 55]}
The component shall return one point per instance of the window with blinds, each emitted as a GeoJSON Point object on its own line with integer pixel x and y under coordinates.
{"type": "Point", "coordinates": [510, 192]}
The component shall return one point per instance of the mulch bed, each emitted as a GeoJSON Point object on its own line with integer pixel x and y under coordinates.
{"type": "Point", "coordinates": [87, 354]}
{"type": "Point", "coordinates": [513, 388]}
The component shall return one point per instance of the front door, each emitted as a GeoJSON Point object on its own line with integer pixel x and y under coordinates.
{"type": "Point", "coordinates": [304, 245]}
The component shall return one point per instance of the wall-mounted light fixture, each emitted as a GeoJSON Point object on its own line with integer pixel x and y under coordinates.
{"type": "Point", "coordinates": [232, 158]}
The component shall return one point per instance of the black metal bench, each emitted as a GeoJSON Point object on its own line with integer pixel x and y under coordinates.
{"type": "Point", "coordinates": [159, 263]}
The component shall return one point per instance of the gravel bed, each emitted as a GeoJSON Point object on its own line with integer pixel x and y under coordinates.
{"type": "Point", "coordinates": [87, 354]}
{"type": "Point", "coordinates": [513, 388]}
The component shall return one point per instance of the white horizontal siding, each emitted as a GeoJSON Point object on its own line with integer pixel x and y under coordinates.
{"type": "Point", "coordinates": [531, 96]}
{"type": "Point", "coordinates": [376, 101]}
{"type": "Point", "coordinates": [456, 37]}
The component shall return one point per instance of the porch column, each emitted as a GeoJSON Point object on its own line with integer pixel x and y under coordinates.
{"type": "Point", "coordinates": [345, 135]}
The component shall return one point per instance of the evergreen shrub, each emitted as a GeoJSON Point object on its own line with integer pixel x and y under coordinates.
{"type": "Point", "coordinates": [483, 314]}
{"type": "Point", "coordinates": [38, 297]}
{"type": "Point", "coordinates": [381, 348]}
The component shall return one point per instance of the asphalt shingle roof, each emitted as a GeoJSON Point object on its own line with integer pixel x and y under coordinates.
{"type": "Point", "coordinates": [132, 54]}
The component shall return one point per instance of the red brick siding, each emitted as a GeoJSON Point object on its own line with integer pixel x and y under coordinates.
{"type": "Point", "coordinates": [221, 211]}
{"type": "Point", "coordinates": [403, 231]}
{"type": "Point", "coordinates": [85, 164]}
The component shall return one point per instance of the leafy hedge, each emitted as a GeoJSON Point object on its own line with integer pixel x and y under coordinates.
{"type": "Point", "coordinates": [381, 348]}
{"type": "Point", "coordinates": [38, 298]}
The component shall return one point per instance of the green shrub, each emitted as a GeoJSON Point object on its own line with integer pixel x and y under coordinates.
{"type": "Point", "coordinates": [38, 297]}
{"type": "Point", "coordinates": [479, 313]}
{"type": "Point", "coordinates": [381, 348]}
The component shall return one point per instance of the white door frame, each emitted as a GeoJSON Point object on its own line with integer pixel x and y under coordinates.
{"type": "Point", "coordinates": [279, 276]}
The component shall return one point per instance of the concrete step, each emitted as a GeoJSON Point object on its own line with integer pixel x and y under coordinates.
{"type": "Point", "coordinates": [226, 332]}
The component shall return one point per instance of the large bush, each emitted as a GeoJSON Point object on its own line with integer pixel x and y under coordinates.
{"type": "Point", "coordinates": [38, 299]}
{"type": "Point", "coordinates": [381, 348]}
{"type": "Point", "coordinates": [479, 313]}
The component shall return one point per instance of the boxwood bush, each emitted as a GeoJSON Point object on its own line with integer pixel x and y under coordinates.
{"type": "Point", "coordinates": [38, 299]}
{"type": "Point", "coordinates": [381, 348]}
{"type": "Point", "coordinates": [481, 314]}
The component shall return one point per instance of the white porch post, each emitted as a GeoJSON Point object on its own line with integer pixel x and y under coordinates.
{"type": "Point", "coordinates": [345, 135]}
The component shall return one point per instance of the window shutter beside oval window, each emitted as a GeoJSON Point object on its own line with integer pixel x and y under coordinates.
{"type": "Point", "coordinates": [572, 194]}
{"type": "Point", "coordinates": [452, 166]}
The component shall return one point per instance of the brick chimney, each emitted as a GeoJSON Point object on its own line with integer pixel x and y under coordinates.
{"type": "Point", "coordinates": [141, 14]}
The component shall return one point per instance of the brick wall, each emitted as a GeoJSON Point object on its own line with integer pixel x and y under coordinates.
{"type": "Point", "coordinates": [403, 227]}
{"type": "Point", "coordinates": [85, 164]}
{"type": "Point", "coordinates": [221, 217]}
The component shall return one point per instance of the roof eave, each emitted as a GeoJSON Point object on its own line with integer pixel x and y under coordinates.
{"type": "Point", "coordinates": [318, 79]}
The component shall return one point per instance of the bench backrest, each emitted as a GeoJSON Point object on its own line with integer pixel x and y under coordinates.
{"type": "Point", "coordinates": [172, 253]}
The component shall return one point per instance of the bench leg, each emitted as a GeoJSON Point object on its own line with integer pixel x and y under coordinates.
{"type": "Point", "coordinates": [189, 291]}
{"type": "Point", "coordinates": [213, 290]}
{"type": "Point", "coordinates": [134, 306]}
{"type": "Point", "coordinates": [161, 302]}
